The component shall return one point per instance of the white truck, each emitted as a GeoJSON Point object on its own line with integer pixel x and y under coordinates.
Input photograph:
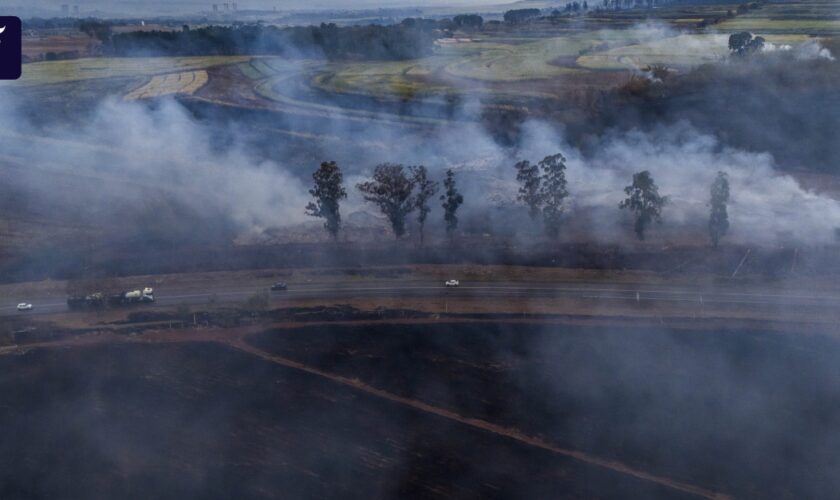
{"type": "Point", "coordinates": [133, 297]}
{"type": "Point", "coordinates": [98, 299]}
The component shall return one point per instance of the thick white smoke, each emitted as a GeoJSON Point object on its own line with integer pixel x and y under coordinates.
{"type": "Point", "coordinates": [803, 51]}
{"type": "Point", "coordinates": [767, 207]}
{"type": "Point", "coordinates": [143, 151]}
{"type": "Point", "coordinates": [144, 154]}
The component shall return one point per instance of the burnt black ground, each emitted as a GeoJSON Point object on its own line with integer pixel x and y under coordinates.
{"type": "Point", "coordinates": [206, 421]}
{"type": "Point", "coordinates": [752, 414]}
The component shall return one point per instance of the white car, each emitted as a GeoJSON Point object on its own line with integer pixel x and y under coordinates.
{"type": "Point", "coordinates": [452, 283]}
{"type": "Point", "coordinates": [23, 306]}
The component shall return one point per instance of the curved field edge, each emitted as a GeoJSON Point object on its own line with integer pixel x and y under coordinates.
{"type": "Point", "coordinates": [44, 73]}
{"type": "Point", "coordinates": [186, 83]}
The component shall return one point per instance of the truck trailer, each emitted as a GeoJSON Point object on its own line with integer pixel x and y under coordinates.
{"type": "Point", "coordinates": [98, 300]}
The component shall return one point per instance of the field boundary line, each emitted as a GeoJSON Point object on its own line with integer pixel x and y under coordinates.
{"type": "Point", "coordinates": [613, 465]}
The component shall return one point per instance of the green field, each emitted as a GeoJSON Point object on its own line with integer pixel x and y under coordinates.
{"type": "Point", "coordinates": [401, 80]}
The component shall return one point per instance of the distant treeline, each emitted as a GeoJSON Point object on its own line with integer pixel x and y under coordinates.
{"type": "Point", "coordinates": [519, 16]}
{"type": "Point", "coordinates": [407, 40]}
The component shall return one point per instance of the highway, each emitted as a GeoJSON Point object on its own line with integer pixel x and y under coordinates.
{"type": "Point", "coordinates": [600, 292]}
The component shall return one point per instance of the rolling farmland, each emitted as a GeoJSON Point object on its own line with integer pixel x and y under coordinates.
{"type": "Point", "coordinates": [520, 68]}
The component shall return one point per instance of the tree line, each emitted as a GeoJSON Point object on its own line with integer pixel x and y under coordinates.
{"type": "Point", "coordinates": [398, 191]}
{"type": "Point", "coordinates": [374, 42]}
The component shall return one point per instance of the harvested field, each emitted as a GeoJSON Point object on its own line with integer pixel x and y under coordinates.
{"type": "Point", "coordinates": [42, 73]}
{"type": "Point", "coordinates": [36, 47]}
{"type": "Point", "coordinates": [186, 83]}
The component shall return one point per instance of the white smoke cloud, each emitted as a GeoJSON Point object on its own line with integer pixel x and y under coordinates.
{"type": "Point", "coordinates": [147, 153]}
{"type": "Point", "coordinates": [163, 149]}
{"type": "Point", "coordinates": [803, 51]}
{"type": "Point", "coordinates": [767, 207]}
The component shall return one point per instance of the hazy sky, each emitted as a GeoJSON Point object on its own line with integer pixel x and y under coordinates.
{"type": "Point", "coordinates": [158, 6]}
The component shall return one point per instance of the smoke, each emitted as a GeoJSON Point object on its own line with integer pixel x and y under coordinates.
{"type": "Point", "coordinates": [166, 145]}
{"type": "Point", "coordinates": [658, 43]}
{"type": "Point", "coordinates": [162, 160]}
{"type": "Point", "coordinates": [766, 207]}
{"type": "Point", "coordinates": [802, 52]}
{"type": "Point", "coordinates": [146, 153]}
{"type": "Point", "coordinates": [641, 387]}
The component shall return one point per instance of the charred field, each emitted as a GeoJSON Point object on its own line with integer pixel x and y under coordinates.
{"type": "Point", "coordinates": [547, 254]}
{"type": "Point", "coordinates": [490, 410]}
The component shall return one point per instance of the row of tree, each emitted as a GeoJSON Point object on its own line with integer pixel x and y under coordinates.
{"type": "Point", "coordinates": [517, 16]}
{"type": "Point", "coordinates": [543, 189]}
{"type": "Point", "coordinates": [374, 42]}
{"type": "Point", "coordinates": [398, 191]}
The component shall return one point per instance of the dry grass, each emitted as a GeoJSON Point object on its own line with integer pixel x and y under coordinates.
{"type": "Point", "coordinates": [185, 83]}
{"type": "Point", "coordinates": [43, 73]}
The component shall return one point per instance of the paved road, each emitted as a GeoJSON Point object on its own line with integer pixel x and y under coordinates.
{"type": "Point", "coordinates": [431, 289]}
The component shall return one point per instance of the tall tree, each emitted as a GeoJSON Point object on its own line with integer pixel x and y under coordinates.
{"type": "Point", "coordinates": [391, 190]}
{"type": "Point", "coordinates": [328, 193]}
{"type": "Point", "coordinates": [426, 189]}
{"type": "Point", "coordinates": [644, 200]}
{"type": "Point", "coordinates": [719, 217]}
{"type": "Point", "coordinates": [553, 192]}
{"type": "Point", "coordinates": [452, 199]}
{"type": "Point", "coordinates": [528, 177]}
{"type": "Point", "coordinates": [743, 43]}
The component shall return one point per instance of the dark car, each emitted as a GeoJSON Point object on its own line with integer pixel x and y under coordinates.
{"type": "Point", "coordinates": [278, 287]}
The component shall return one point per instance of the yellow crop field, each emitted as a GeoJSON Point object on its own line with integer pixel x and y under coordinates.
{"type": "Point", "coordinates": [43, 73]}
{"type": "Point", "coordinates": [186, 83]}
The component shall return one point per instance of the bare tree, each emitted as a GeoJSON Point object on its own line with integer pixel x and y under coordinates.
{"type": "Point", "coordinates": [426, 189]}
{"type": "Point", "coordinates": [328, 192]}
{"type": "Point", "coordinates": [452, 200]}
{"type": "Point", "coordinates": [528, 177]}
{"type": "Point", "coordinates": [391, 190]}
{"type": "Point", "coordinates": [644, 200]}
{"type": "Point", "coordinates": [553, 192]}
{"type": "Point", "coordinates": [719, 217]}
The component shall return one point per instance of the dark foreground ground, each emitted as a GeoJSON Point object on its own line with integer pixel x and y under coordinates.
{"type": "Point", "coordinates": [748, 414]}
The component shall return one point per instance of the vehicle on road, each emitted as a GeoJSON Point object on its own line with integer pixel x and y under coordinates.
{"type": "Point", "coordinates": [279, 287]}
{"type": "Point", "coordinates": [452, 284]}
{"type": "Point", "coordinates": [146, 295]}
{"type": "Point", "coordinates": [98, 300]}
{"type": "Point", "coordinates": [24, 306]}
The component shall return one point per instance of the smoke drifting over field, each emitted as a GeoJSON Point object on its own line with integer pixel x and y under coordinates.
{"type": "Point", "coordinates": [141, 154]}
{"type": "Point", "coordinates": [147, 153]}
